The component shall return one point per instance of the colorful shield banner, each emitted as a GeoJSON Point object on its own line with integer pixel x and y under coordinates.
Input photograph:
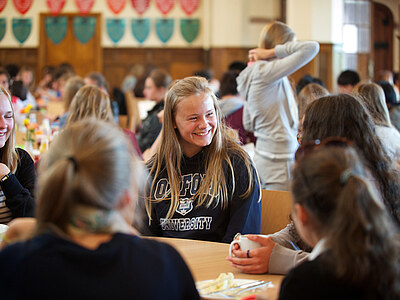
{"type": "Point", "coordinates": [84, 28]}
{"type": "Point", "coordinates": [115, 29]}
{"type": "Point", "coordinates": [165, 5]}
{"type": "Point", "coordinates": [56, 28]}
{"type": "Point", "coordinates": [190, 29]}
{"type": "Point", "coordinates": [55, 6]}
{"type": "Point", "coordinates": [140, 5]}
{"type": "Point", "coordinates": [2, 28]}
{"type": "Point", "coordinates": [2, 4]}
{"type": "Point", "coordinates": [84, 6]}
{"type": "Point", "coordinates": [116, 5]}
{"type": "Point", "coordinates": [22, 5]}
{"type": "Point", "coordinates": [140, 29]}
{"type": "Point", "coordinates": [164, 29]}
{"type": "Point", "coordinates": [21, 29]}
{"type": "Point", "coordinates": [189, 6]}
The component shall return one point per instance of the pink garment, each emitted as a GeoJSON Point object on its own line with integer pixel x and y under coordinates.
{"type": "Point", "coordinates": [234, 121]}
{"type": "Point", "coordinates": [132, 138]}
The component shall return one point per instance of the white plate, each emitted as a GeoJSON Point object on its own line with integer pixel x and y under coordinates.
{"type": "Point", "coordinates": [217, 297]}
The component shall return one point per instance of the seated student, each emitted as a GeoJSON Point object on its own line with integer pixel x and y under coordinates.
{"type": "Point", "coordinates": [231, 105]}
{"type": "Point", "coordinates": [338, 212]}
{"type": "Point", "coordinates": [331, 116]}
{"type": "Point", "coordinates": [203, 184]}
{"type": "Point", "coordinates": [4, 78]}
{"type": "Point", "coordinates": [306, 80]}
{"type": "Point", "coordinates": [308, 94]}
{"type": "Point", "coordinates": [373, 98]}
{"type": "Point", "coordinates": [92, 102]}
{"type": "Point", "coordinates": [391, 102]}
{"type": "Point", "coordinates": [68, 92]}
{"type": "Point", "coordinates": [347, 80]}
{"type": "Point", "coordinates": [97, 79]}
{"type": "Point", "coordinates": [394, 113]}
{"type": "Point", "coordinates": [387, 75]}
{"type": "Point", "coordinates": [17, 170]}
{"type": "Point", "coordinates": [155, 87]}
{"type": "Point", "coordinates": [26, 75]}
{"type": "Point", "coordinates": [18, 92]}
{"type": "Point", "coordinates": [84, 246]}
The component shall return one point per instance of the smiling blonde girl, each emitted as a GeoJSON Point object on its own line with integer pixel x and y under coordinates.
{"type": "Point", "coordinates": [203, 184]}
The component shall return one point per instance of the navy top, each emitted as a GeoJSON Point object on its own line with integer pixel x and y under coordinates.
{"type": "Point", "coordinates": [315, 280]}
{"type": "Point", "coordinates": [242, 214]}
{"type": "Point", "coordinates": [19, 188]}
{"type": "Point", "coordinates": [126, 267]}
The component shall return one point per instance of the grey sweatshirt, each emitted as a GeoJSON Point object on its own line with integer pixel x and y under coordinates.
{"type": "Point", "coordinates": [270, 110]}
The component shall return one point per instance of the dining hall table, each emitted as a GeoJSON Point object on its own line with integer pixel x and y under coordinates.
{"type": "Point", "coordinates": [206, 260]}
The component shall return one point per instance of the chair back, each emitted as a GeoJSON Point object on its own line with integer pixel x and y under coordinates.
{"type": "Point", "coordinates": [276, 207]}
{"type": "Point", "coordinates": [132, 110]}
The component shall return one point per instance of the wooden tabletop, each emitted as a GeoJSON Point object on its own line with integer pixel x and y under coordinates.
{"type": "Point", "coordinates": [206, 260]}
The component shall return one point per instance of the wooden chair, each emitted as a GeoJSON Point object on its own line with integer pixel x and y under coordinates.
{"type": "Point", "coordinates": [275, 209]}
{"type": "Point", "coordinates": [123, 121]}
{"type": "Point", "coordinates": [133, 111]}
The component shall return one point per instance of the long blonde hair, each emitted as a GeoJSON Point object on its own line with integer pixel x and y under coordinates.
{"type": "Point", "coordinates": [90, 163]}
{"type": "Point", "coordinates": [9, 155]}
{"type": "Point", "coordinates": [308, 94]}
{"type": "Point", "coordinates": [275, 33]}
{"type": "Point", "coordinates": [217, 154]}
{"type": "Point", "coordinates": [90, 101]}
{"type": "Point", "coordinates": [72, 86]}
{"type": "Point", "coordinates": [373, 98]}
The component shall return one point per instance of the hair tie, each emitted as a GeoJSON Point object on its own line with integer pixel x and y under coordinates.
{"type": "Point", "coordinates": [345, 176]}
{"type": "Point", "coordinates": [74, 162]}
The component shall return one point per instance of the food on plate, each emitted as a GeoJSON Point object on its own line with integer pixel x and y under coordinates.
{"type": "Point", "coordinates": [223, 282]}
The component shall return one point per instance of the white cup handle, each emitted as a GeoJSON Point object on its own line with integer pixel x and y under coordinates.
{"type": "Point", "coordinates": [231, 245]}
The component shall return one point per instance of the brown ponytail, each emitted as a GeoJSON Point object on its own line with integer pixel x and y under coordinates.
{"type": "Point", "coordinates": [363, 242]}
{"type": "Point", "coordinates": [90, 163]}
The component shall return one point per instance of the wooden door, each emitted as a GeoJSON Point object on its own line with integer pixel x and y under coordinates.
{"type": "Point", "coordinates": [382, 38]}
{"type": "Point", "coordinates": [85, 58]}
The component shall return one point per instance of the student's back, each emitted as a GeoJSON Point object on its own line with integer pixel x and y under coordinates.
{"type": "Point", "coordinates": [83, 244]}
{"type": "Point", "coordinates": [126, 267]}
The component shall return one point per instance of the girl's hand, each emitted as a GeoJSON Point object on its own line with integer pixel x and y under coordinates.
{"type": "Point", "coordinates": [4, 170]}
{"type": "Point", "coordinates": [258, 263]}
{"type": "Point", "coordinates": [261, 54]}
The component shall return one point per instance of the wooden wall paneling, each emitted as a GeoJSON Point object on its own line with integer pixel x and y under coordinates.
{"type": "Point", "coordinates": [363, 63]}
{"type": "Point", "coordinates": [19, 56]}
{"type": "Point", "coordinates": [325, 65]}
{"type": "Point", "coordinates": [321, 67]}
{"type": "Point", "coordinates": [185, 62]}
{"type": "Point", "coordinates": [220, 58]}
{"type": "Point", "coordinates": [179, 62]}
{"type": "Point", "coordinates": [382, 33]}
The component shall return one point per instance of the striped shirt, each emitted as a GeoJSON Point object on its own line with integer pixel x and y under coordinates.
{"type": "Point", "coordinates": [5, 212]}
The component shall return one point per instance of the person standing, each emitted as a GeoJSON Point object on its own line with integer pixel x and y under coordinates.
{"type": "Point", "coordinates": [270, 110]}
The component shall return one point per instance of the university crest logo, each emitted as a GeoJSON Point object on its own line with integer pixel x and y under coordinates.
{"type": "Point", "coordinates": [185, 206]}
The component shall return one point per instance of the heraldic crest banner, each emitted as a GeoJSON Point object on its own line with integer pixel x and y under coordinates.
{"type": "Point", "coordinates": [164, 29]}
{"type": "Point", "coordinates": [190, 29]}
{"type": "Point", "coordinates": [140, 29]}
{"type": "Point", "coordinates": [2, 28]}
{"type": "Point", "coordinates": [21, 29]}
{"type": "Point", "coordinates": [56, 28]}
{"type": "Point", "coordinates": [115, 29]}
{"type": "Point", "coordinates": [84, 28]}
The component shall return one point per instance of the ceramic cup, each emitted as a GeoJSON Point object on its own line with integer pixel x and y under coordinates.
{"type": "Point", "coordinates": [244, 243]}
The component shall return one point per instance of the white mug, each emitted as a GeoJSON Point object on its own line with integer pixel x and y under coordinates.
{"type": "Point", "coordinates": [244, 243]}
